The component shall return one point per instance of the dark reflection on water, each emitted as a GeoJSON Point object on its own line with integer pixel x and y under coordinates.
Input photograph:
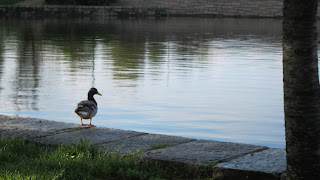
{"type": "Point", "coordinates": [215, 79]}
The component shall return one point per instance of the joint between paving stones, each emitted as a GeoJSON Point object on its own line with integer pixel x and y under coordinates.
{"type": "Point", "coordinates": [191, 155]}
{"type": "Point", "coordinates": [241, 155]}
{"type": "Point", "coordinates": [108, 142]}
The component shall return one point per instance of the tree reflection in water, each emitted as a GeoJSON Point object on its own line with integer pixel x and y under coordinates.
{"type": "Point", "coordinates": [193, 77]}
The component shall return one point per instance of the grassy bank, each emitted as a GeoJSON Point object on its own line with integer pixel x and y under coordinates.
{"type": "Point", "coordinates": [2, 2]}
{"type": "Point", "coordinates": [26, 160]}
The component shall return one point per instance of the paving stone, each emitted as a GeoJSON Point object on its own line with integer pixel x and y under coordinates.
{"type": "Point", "coordinates": [6, 118]}
{"type": "Point", "coordinates": [144, 143]}
{"type": "Point", "coordinates": [202, 152]}
{"type": "Point", "coordinates": [29, 128]}
{"type": "Point", "coordinates": [96, 135]}
{"type": "Point", "coordinates": [235, 161]}
{"type": "Point", "coordinates": [272, 160]}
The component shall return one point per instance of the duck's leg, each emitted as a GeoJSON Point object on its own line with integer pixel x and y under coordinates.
{"type": "Point", "coordinates": [81, 122]}
{"type": "Point", "coordinates": [90, 122]}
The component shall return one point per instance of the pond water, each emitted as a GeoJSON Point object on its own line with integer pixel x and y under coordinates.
{"type": "Point", "coordinates": [216, 79]}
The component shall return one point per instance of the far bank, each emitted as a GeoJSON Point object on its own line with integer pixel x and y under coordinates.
{"type": "Point", "coordinates": [143, 8]}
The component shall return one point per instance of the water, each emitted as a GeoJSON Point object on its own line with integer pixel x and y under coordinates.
{"type": "Point", "coordinates": [216, 79]}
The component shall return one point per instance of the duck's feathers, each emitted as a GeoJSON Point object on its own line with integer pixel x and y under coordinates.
{"type": "Point", "coordinates": [86, 109]}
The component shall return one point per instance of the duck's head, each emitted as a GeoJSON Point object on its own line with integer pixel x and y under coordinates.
{"type": "Point", "coordinates": [94, 91]}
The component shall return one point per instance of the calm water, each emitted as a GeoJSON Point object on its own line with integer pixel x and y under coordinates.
{"type": "Point", "coordinates": [217, 79]}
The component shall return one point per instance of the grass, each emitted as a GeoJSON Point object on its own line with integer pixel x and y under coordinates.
{"type": "Point", "coordinates": [26, 160]}
{"type": "Point", "coordinates": [160, 145]}
{"type": "Point", "coordinates": [73, 129]}
{"type": "Point", "coordinates": [5, 2]}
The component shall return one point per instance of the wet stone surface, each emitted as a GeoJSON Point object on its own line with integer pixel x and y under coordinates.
{"type": "Point", "coordinates": [203, 152]}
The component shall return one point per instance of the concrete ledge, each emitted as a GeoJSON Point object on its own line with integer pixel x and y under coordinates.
{"type": "Point", "coordinates": [144, 143]}
{"type": "Point", "coordinates": [95, 135]}
{"type": "Point", "coordinates": [269, 164]}
{"type": "Point", "coordinates": [29, 128]}
{"type": "Point", "coordinates": [203, 152]}
{"type": "Point", "coordinates": [7, 118]}
{"type": "Point", "coordinates": [270, 161]}
{"type": "Point", "coordinates": [219, 160]}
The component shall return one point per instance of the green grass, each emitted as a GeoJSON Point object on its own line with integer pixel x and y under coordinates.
{"type": "Point", "coordinates": [160, 145]}
{"type": "Point", "coordinates": [26, 160]}
{"type": "Point", "coordinates": [9, 1]}
{"type": "Point", "coordinates": [73, 129]}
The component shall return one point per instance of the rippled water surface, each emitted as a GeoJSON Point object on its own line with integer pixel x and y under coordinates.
{"type": "Point", "coordinates": [217, 79]}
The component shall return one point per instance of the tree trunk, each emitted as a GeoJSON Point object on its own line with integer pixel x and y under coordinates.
{"type": "Point", "coordinates": [301, 89]}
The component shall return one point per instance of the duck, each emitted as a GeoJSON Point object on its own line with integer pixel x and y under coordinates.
{"type": "Point", "coordinates": [87, 109]}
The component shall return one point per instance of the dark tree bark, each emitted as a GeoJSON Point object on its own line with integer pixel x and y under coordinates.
{"type": "Point", "coordinates": [301, 89]}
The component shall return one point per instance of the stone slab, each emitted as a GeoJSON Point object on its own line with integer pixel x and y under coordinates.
{"type": "Point", "coordinates": [7, 118]}
{"type": "Point", "coordinates": [233, 160]}
{"type": "Point", "coordinates": [29, 128]}
{"type": "Point", "coordinates": [272, 160]}
{"type": "Point", "coordinates": [143, 143]}
{"type": "Point", "coordinates": [95, 135]}
{"type": "Point", "coordinates": [202, 152]}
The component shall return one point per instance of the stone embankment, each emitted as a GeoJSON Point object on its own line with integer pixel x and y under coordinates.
{"type": "Point", "coordinates": [151, 8]}
{"type": "Point", "coordinates": [239, 8]}
{"type": "Point", "coordinates": [225, 160]}
{"type": "Point", "coordinates": [55, 11]}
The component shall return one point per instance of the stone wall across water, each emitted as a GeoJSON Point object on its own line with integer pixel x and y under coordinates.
{"type": "Point", "coordinates": [208, 8]}
{"type": "Point", "coordinates": [241, 8]}
{"type": "Point", "coordinates": [80, 11]}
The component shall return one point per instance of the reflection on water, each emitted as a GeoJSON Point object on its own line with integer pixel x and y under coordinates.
{"type": "Point", "coordinates": [217, 79]}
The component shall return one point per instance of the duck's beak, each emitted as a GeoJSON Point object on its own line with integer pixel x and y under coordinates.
{"type": "Point", "coordinates": [99, 94]}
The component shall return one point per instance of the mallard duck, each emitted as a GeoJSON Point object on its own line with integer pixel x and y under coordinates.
{"type": "Point", "coordinates": [87, 109]}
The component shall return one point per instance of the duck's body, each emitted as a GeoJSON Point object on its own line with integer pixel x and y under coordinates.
{"type": "Point", "coordinates": [87, 109]}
